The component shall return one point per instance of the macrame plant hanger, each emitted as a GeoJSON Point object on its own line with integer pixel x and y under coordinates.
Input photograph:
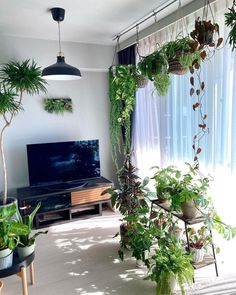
{"type": "Point", "coordinates": [180, 26]}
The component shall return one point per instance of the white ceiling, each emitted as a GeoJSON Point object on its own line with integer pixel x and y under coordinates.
{"type": "Point", "coordinates": [86, 21]}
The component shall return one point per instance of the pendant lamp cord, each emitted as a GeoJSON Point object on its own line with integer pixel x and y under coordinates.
{"type": "Point", "coordinates": [59, 38]}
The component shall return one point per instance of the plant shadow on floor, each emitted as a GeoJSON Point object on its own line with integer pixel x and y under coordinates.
{"type": "Point", "coordinates": [89, 262]}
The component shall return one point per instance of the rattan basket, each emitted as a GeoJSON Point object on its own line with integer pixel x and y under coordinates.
{"type": "Point", "coordinates": [176, 68]}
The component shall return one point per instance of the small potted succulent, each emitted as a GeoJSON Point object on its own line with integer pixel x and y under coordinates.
{"type": "Point", "coordinates": [199, 240]}
{"type": "Point", "coordinates": [26, 245]}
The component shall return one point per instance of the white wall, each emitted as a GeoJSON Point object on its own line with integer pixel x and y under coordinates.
{"type": "Point", "coordinates": [90, 119]}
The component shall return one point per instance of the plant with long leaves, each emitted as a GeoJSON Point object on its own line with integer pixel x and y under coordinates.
{"type": "Point", "coordinates": [10, 227]}
{"type": "Point", "coordinates": [16, 78]}
{"type": "Point", "coordinates": [27, 239]}
{"type": "Point", "coordinates": [230, 21]}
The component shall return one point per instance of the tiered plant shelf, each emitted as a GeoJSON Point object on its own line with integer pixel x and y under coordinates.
{"type": "Point", "coordinates": [208, 259]}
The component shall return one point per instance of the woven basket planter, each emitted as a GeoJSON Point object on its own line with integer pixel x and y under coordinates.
{"type": "Point", "coordinates": [176, 68]}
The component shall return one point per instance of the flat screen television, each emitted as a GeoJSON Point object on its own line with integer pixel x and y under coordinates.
{"type": "Point", "coordinates": [52, 163]}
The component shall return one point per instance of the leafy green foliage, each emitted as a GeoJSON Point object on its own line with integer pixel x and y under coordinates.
{"type": "Point", "coordinates": [230, 21]}
{"type": "Point", "coordinates": [170, 263]}
{"type": "Point", "coordinates": [139, 235]}
{"type": "Point", "coordinates": [25, 238]}
{"type": "Point", "coordinates": [8, 102]}
{"type": "Point", "coordinates": [132, 191]}
{"type": "Point", "coordinates": [58, 105]}
{"type": "Point", "coordinates": [23, 77]}
{"type": "Point", "coordinates": [162, 83]}
{"type": "Point", "coordinates": [10, 228]}
{"type": "Point", "coordinates": [153, 64]}
{"type": "Point", "coordinates": [167, 180]}
{"type": "Point", "coordinates": [187, 60]}
{"type": "Point", "coordinates": [181, 188]}
{"type": "Point", "coordinates": [16, 78]}
{"type": "Point", "coordinates": [123, 86]}
{"type": "Point", "coordinates": [180, 46]}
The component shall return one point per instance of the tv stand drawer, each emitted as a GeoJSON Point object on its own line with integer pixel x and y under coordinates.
{"type": "Point", "coordinates": [89, 195]}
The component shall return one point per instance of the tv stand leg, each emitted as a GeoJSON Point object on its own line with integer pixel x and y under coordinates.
{"type": "Point", "coordinates": [100, 209]}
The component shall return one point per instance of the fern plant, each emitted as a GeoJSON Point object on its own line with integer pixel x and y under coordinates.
{"type": "Point", "coordinates": [170, 264]}
{"type": "Point", "coordinates": [230, 21]}
{"type": "Point", "coordinates": [16, 78]}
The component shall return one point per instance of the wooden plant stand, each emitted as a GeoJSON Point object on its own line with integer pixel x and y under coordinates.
{"type": "Point", "coordinates": [19, 268]}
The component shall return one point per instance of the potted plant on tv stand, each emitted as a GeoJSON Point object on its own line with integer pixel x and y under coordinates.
{"type": "Point", "coordinates": [16, 79]}
{"type": "Point", "coordinates": [26, 244]}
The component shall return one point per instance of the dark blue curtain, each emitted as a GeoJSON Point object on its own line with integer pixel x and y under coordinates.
{"type": "Point", "coordinates": [127, 56]}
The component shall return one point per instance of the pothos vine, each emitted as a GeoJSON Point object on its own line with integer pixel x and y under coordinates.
{"type": "Point", "coordinates": [123, 86]}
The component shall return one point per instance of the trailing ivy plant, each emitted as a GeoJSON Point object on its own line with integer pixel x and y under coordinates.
{"type": "Point", "coordinates": [58, 105]}
{"type": "Point", "coordinates": [230, 21]}
{"type": "Point", "coordinates": [123, 85]}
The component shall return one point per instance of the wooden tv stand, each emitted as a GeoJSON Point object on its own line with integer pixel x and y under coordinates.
{"type": "Point", "coordinates": [64, 202]}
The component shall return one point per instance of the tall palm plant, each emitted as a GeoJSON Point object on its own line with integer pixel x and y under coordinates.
{"type": "Point", "coordinates": [16, 78]}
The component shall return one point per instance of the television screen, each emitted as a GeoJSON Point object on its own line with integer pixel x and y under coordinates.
{"type": "Point", "coordinates": [63, 161]}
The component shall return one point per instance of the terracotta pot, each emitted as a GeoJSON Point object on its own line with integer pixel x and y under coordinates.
{"type": "Point", "coordinates": [189, 209]}
{"type": "Point", "coordinates": [176, 68]}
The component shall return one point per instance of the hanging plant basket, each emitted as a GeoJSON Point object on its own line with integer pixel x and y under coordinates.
{"type": "Point", "coordinates": [141, 81]}
{"type": "Point", "coordinates": [204, 32]}
{"type": "Point", "coordinates": [176, 68]}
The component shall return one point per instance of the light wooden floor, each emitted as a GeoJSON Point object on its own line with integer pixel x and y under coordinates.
{"type": "Point", "coordinates": [81, 258]}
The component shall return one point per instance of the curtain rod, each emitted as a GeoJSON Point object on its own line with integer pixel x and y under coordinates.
{"type": "Point", "coordinates": [142, 20]}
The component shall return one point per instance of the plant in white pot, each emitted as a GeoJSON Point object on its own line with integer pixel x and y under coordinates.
{"type": "Point", "coordinates": [10, 232]}
{"type": "Point", "coordinates": [16, 79]}
{"type": "Point", "coordinates": [198, 241]}
{"type": "Point", "coordinates": [170, 266]}
{"type": "Point", "coordinates": [26, 244]}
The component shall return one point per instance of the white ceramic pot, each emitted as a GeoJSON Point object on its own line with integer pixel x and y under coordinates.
{"type": "Point", "coordinates": [24, 252]}
{"type": "Point", "coordinates": [6, 258]}
{"type": "Point", "coordinates": [197, 254]}
{"type": "Point", "coordinates": [173, 284]}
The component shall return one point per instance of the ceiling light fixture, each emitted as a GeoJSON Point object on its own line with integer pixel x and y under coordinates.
{"type": "Point", "coordinates": [60, 70]}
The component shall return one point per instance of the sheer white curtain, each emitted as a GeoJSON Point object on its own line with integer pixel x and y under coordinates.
{"type": "Point", "coordinates": [164, 126]}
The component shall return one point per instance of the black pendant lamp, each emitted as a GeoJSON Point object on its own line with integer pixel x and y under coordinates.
{"type": "Point", "coordinates": [60, 70]}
